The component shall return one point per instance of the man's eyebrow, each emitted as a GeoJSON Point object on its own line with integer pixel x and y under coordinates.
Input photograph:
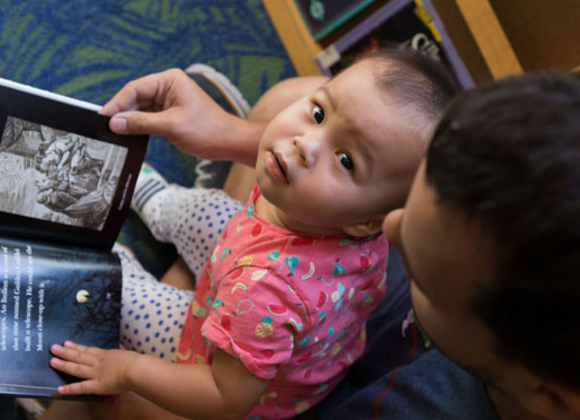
{"type": "Point", "coordinates": [327, 93]}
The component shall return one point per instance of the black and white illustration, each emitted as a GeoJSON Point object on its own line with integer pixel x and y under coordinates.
{"type": "Point", "coordinates": [59, 176]}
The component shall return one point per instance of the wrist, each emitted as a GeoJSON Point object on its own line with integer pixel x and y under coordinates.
{"type": "Point", "coordinates": [238, 142]}
{"type": "Point", "coordinates": [130, 374]}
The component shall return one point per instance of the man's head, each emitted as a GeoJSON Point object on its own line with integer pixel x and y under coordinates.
{"type": "Point", "coordinates": [491, 237]}
{"type": "Point", "coordinates": [327, 160]}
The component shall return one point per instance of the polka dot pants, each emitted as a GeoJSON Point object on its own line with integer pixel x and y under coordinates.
{"type": "Point", "coordinates": [153, 313]}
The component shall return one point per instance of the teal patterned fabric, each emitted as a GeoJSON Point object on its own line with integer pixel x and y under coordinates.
{"type": "Point", "coordinates": [88, 49]}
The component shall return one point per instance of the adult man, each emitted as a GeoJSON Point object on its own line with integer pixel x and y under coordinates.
{"type": "Point", "coordinates": [490, 236]}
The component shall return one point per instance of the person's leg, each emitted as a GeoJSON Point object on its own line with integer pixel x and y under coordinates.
{"type": "Point", "coordinates": [59, 409]}
{"type": "Point", "coordinates": [128, 406]}
{"type": "Point", "coordinates": [152, 313]}
{"type": "Point", "coordinates": [192, 219]}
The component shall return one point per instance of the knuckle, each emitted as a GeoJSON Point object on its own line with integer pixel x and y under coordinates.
{"type": "Point", "coordinates": [93, 351]}
{"type": "Point", "coordinates": [73, 388]}
{"type": "Point", "coordinates": [76, 370]}
{"type": "Point", "coordinates": [136, 122]}
{"type": "Point", "coordinates": [176, 72]}
{"type": "Point", "coordinates": [130, 85]}
{"type": "Point", "coordinates": [172, 123]}
{"type": "Point", "coordinates": [84, 388]}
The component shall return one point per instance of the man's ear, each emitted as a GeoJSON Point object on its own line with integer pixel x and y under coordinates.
{"type": "Point", "coordinates": [368, 228]}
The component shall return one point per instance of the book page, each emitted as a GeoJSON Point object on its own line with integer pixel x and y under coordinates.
{"type": "Point", "coordinates": [49, 295]}
{"type": "Point", "coordinates": [65, 177]}
{"type": "Point", "coordinates": [58, 176]}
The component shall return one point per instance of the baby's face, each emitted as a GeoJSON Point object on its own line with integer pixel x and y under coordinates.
{"type": "Point", "coordinates": [341, 156]}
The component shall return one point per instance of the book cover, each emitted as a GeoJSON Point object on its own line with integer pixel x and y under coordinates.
{"type": "Point", "coordinates": [324, 16]}
{"type": "Point", "coordinates": [66, 183]}
{"type": "Point", "coordinates": [410, 22]}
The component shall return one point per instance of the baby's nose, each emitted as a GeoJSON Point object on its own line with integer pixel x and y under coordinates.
{"type": "Point", "coordinates": [307, 150]}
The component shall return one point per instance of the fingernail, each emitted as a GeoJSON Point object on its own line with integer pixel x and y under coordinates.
{"type": "Point", "coordinates": [118, 124]}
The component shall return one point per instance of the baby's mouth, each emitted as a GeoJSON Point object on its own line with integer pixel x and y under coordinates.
{"type": "Point", "coordinates": [282, 165]}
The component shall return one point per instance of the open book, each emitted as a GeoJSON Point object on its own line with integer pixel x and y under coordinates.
{"type": "Point", "coordinates": [66, 183]}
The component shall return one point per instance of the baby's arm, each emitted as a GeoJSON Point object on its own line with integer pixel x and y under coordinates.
{"type": "Point", "coordinates": [224, 390]}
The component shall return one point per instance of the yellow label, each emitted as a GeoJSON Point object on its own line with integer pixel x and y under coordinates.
{"type": "Point", "coordinates": [422, 13]}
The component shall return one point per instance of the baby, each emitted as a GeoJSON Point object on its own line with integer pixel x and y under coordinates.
{"type": "Point", "coordinates": [284, 284]}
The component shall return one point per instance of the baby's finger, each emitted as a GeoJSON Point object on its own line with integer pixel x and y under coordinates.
{"type": "Point", "coordinates": [73, 355]}
{"type": "Point", "coordinates": [79, 388]}
{"type": "Point", "coordinates": [72, 368]}
{"type": "Point", "coordinates": [80, 348]}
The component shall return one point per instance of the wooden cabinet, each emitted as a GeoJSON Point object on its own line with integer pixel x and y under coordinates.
{"type": "Point", "coordinates": [494, 38]}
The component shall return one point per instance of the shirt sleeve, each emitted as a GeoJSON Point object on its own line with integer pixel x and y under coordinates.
{"type": "Point", "coordinates": [256, 317]}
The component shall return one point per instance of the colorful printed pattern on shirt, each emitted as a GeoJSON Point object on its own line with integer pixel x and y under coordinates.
{"type": "Point", "coordinates": [292, 308]}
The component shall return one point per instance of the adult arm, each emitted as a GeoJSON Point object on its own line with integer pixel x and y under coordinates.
{"type": "Point", "coordinates": [225, 390]}
{"type": "Point", "coordinates": [172, 105]}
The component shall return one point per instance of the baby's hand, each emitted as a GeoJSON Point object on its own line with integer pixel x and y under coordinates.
{"type": "Point", "coordinates": [104, 371]}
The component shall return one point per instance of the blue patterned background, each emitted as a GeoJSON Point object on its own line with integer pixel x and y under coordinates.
{"type": "Point", "coordinates": [88, 49]}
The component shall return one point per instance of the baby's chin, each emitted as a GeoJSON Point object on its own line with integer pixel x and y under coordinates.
{"type": "Point", "coordinates": [313, 225]}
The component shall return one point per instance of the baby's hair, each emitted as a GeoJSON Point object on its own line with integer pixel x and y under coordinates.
{"type": "Point", "coordinates": [419, 83]}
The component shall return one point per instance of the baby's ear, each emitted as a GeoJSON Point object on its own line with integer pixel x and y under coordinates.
{"type": "Point", "coordinates": [369, 228]}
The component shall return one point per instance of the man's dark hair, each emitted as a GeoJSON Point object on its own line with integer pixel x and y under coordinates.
{"type": "Point", "coordinates": [508, 154]}
{"type": "Point", "coordinates": [417, 81]}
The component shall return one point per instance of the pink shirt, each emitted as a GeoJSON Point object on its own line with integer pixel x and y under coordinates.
{"type": "Point", "coordinates": [291, 307]}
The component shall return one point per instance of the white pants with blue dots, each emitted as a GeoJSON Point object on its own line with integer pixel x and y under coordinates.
{"type": "Point", "coordinates": [153, 313]}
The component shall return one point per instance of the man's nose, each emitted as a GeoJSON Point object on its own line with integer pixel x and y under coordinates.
{"type": "Point", "coordinates": [392, 228]}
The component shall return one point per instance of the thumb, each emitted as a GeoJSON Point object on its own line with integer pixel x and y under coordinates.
{"type": "Point", "coordinates": [139, 122]}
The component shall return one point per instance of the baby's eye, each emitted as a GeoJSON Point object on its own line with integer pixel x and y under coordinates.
{"type": "Point", "coordinates": [318, 114]}
{"type": "Point", "coordinates": [346, 161]}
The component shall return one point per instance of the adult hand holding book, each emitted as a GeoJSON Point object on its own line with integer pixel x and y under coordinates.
{"type": "Point", "coordinates": [172, 105]}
